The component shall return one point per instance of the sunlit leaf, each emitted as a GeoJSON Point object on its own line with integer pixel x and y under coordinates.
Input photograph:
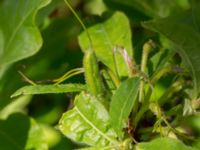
{"type": "Point", "coordinates": [106, 39]}
{"type": "Point", "coordinates": [36, 137]}
{"type": "Point", "coordinates": [122, 103]}
{"type": "Point", "coordinates": [164, 143]}
{"type": "Point", "coordinates": [46, 89]}
{"type": "Point", "coordinates": [88, 122]}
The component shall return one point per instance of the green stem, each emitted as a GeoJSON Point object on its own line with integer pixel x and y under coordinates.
{"type": "Point", "coordinates": [142, 110]}
{"type": "Point", "coordinates": [110, 83]}
{"type": "Point", "coordinates": [115, 62]}
{"type": "Point", "coordinates": [146, 49]}
{"type": "Point", "coordinates": [155, 78]}
{"type": "Point", "coordinates": [177, 86]}
{"type": "Point", "coordinates": [26, 78]}
{"type": "Point", "coordinates": [69, 74]}
{"type": "Point", "coordinates": [114, 78]}
{"type": "Point", "coordinates": [160, 73]}
{"type": "Point", "coordinates": [80, 21]}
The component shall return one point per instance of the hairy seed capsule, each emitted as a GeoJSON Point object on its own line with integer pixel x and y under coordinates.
{"type": "Point", "coordinates": [92, 76]}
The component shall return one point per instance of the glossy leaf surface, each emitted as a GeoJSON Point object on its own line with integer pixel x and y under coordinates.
{"type": "Point", "coordinates": [106, 39]}
{"type": "Point", "coordinates": [88, 122]}
{"type": "Point", "coordinates": [122, 103]}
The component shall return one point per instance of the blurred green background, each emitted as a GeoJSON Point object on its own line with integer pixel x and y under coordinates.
{"type": "Point", "coordinates": [60, 52]}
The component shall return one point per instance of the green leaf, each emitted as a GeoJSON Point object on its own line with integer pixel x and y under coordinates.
{"type": "Point", "coordinates": [18, 132]}
{"type": "Point", "coordinates": [122, 103]}
{"type": "Point", "coordinates": [164, 143]}
{"type": "Point", "coordinates": [14, 132]}
{"type": "Point", "coordinates": [46, 89]}
{"type": "Point", "coordinates": [19, 36]}
{"type": "Point", "coordinates": [95, 7]}
{"type": "Point", "coordinates": [46, 11]}
{"type": "Point", "coordinates": [97, 148]}
{"type": "Point", "coordinates": [36, 138]}
{"type": "Point", "coordinates": [88, 122]}
{"type": "Point", "coordinates": [18, 105]}
{"type": "Point", "coordinates": [185, 38]}
{"type": "Point", "coordinates": [153, 8]}
{"type": "Point", "coordinates": [160, 60]}
{"type": "Point", "coordinates": [106, 38]}
{"type": "Point", "coordinates": [56, 141]}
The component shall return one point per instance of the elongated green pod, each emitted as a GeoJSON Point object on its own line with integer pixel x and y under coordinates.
{"type": "Point", "coordinates": [92, 76]}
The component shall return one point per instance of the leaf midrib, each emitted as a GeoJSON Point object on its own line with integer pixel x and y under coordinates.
{"type": "Point", "coordinates": [17, 28]}
{"type": "Point", "coordinates": [123, 107]}
{"type": "Point", "coordinates": [93, 126]}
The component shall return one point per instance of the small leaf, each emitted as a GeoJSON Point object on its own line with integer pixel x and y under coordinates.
{"type": "Point", "coordinates": [164, 143]}
{"type": "Point", "coordinates": [185, 38]}
{"type": "Point", "coordinates": [36, 137]}
{"type": "Point", "coordinates": [106, 38]}
{"type": "Point", "coordinates": [122, 103]}
{"type": "Point", "coordinates": [88, 122]}
{"type": "Point", "coordinates": [47, 89]}
{"type": "Point", "coordinates": [19, 36]}
{"type": "Point", "coordinates": [160, 60]}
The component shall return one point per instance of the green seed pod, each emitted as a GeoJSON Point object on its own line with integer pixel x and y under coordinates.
{"type": "Point", "coordinates": [92, 76]}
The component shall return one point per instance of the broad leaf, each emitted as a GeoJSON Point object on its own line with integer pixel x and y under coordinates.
{"type": "Point", "coordinates": [183, 30]}
{"type": "Point", "coordinates": [88, 122]}
{"type": "Point", "coordinates": [46, 64]}
{"type": "Point", "coordinates": [46, 89]}
{"type": "Point", "coordinates": [106, 38]}
{"type": "Point", "coordinates": [164, 144]}
{"type": "Point", "coordinates": [122, 103]}
{"type": "Point", "coordinates": [19, 36]}
{"type": "Point", "coordinates": [19, 132]}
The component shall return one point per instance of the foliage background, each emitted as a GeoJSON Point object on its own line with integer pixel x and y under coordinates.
{"type": "Point", "coordinates": [39, 39]}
